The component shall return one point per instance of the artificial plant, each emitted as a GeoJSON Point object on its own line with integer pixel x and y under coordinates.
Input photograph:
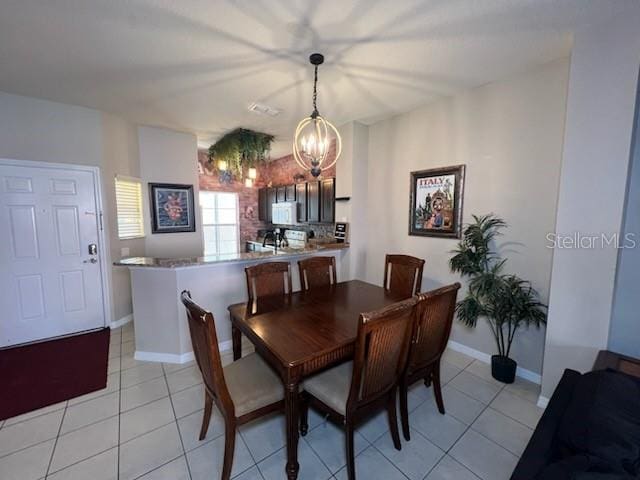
{"type": "Point", "coordinates": [241, 149]}
{"type": "Point", "coordinates": [505, 300]}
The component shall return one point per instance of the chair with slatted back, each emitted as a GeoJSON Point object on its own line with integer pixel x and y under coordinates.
{"type": "Point", "coordinates": [403, 275]}
{"type": "Point", "coordinates": [351, 391]}
{"type": "Point", "coordinates": [434, 316]}
{"type": "Point", "coordinates": [317, 272]}
{"type": "Point", "coordinates": [268, 279]}
{"type": "Point", "coordinates": [243, 390]}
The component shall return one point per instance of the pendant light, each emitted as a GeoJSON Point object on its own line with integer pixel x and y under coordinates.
{"type": "Point", "coordinates": [314, 134]}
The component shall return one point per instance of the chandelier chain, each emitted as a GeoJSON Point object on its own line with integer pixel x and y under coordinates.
{"type": "Point", "coordinates": [315, 91]}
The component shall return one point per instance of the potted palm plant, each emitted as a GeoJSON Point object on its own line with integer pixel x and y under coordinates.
{"type": "Point", "coordinates": [506, 301]}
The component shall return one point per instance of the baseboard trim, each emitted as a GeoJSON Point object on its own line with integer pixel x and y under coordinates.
{"type": "Point", "coordinates": [486, 358]}
{"type": "Point", "coordinates": [164, 357]}
{"type": "Point", "coordinates": [121, 322]}
{"type": "Point", "coordinates": [174, 357]}
{"type": "Point", "coordinates": [225, 346]}
{"type": "Point", "coordinates": [542, 402]}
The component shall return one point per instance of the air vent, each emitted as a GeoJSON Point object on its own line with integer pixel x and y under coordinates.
{"type": "Point", "coordinates": [262, 109]}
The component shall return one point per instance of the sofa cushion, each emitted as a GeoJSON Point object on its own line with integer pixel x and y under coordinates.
{"type": "Point", "coordinates": [600, 430]}
{"type": "Point", "coordinates": [580, 467]}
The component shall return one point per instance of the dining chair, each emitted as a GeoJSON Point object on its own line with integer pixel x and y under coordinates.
{"type": "Point", "coordinates": [243, 390]}
{"type": "Point", "coordinates": [434, 316]}
{"type": "Point", "coordinates": [403, 275]}
{"type": "Point", "coordinates": [268, 279]}
{"type": "Point", "coordinates": [351, 391]}
{"type": "Point", "coordinates": [317, 272]}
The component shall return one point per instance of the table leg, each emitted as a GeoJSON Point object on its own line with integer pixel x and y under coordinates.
{"type": "Point", "coordinates": [291, 411]}
{"type": "Point", "coordinates": [236, 338]}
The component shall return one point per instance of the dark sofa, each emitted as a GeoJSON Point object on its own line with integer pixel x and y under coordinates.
{"type": "Point", "coordinates": [589, 431]}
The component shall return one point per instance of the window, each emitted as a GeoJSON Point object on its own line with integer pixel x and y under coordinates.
{"type": "Point", "coordinates": [129, 207]}
{"type": "Point", "coordinates": [220, 222]}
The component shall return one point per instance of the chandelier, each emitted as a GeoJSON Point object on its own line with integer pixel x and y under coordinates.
{"type": "Point", "coordinates": [314, 134]}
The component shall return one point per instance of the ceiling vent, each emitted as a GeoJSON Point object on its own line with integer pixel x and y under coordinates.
{"type": "Point", "coordinates": [262, 109]}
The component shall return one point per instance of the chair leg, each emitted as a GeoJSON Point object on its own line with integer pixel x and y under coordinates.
{"type": "Point", "coordinates": [208, 407]}
{"type": "Point", "coordinates": [404, 410]}
{"type": "Point", "coordinates": [229, 446]}
{"type": "Point", "coordinates": [304, 413]}
{"type": "Point", "coordinates": [437, 389]}
{"type": "Point", "coordinates": [393, 420]}
{"type": "Point", "coordinates": [351, 462]}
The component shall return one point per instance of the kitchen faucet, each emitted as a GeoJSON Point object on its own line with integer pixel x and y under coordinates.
{"type": "Point", "coordinates": [277, 237]}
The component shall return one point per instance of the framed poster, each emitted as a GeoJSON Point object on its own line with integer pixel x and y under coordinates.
{"type": "Point", "coordinates": [172, 208]}
{"type": "Point", "coordinates": [436, 202]}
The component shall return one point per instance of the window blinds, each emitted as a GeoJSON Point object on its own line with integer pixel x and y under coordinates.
{"type": "Point", "coordinates": [129, 207]}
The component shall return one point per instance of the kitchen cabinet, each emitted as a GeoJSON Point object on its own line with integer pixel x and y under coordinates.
{"type": "Point", "coordinates": [262, 204]}
{"type": "Point", "coordinates": [271, 199]}
{"type": "Point", "coordinates": [313, 202]}
{"type": "Point", "coordinates": [290, 193]}
{"type": "Point", "coordinates": [327, 200]}
{"type": "Point", "coordinates": [301, 199]}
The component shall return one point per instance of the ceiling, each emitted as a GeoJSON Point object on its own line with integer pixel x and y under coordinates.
{"type": "Point", "coordinates": [196, 65]}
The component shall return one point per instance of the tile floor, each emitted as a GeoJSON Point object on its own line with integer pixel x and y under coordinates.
{"type": "Point", "coordinates": [144, 425]}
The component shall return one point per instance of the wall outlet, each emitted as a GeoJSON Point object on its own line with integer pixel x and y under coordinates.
{"type": "Point", "coordinates": [124, 252]}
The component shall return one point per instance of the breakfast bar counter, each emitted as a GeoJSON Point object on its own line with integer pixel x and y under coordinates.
{"type": "Point", "coordinates": [215, 282]}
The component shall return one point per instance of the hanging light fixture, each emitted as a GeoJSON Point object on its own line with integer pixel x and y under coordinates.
{"type": "Point", "coordinates": [314, 133]}
{"type": "Point", "coordinates": [252, 173]}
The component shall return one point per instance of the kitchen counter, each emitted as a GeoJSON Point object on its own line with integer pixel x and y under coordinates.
{"type": "Point", "coordinates": [282, 253]}
{"type": "Point", "coordinates": [215, 282]}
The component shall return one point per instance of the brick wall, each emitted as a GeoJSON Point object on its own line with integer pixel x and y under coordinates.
{"type": "Point", "coordinates": [274, 173]}
{"type": "Point", "coordinates": [281, 171]}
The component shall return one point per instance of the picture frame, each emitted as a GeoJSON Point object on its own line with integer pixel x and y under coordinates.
{"type": "Point", "coordinates": [436, 200]}
{"type": "Point", "coordinates": [172, 208]}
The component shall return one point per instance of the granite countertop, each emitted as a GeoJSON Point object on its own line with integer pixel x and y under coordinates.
{"type": "Point", "coordinates": [225, 258]}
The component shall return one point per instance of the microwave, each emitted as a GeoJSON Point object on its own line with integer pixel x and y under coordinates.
{"type": "Point", "coordinates": [284, 213]}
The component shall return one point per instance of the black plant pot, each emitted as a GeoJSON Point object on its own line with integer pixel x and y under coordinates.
{"type": "Point", "coordinates": [503, 368]}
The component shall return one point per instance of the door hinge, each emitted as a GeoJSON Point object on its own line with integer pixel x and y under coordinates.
{"type": "Point", "coordinates": [101, 228]}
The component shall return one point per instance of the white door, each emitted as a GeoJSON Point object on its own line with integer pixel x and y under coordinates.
{"type": "Point", "coordinates": [50, 273]}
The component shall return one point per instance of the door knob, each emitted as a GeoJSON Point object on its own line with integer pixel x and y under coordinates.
{"type": "Point", "coordinates": [91, 260]}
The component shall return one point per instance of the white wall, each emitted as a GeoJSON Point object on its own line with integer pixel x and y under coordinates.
{"type": "Point", "coordinates": [351, 181]}
{"type": "Point", "coordinates": [509, 134]}
{"type": "Point", "coordinates": [624, 333]}
{"type": "Point", "coordinates": [34, 129]}
{"type": "Point", "coordinates": [169, 157]}
{"type": "Point", "coordinates": [120, 157]}
{"type": "Point", "coordinates": [599, 122]}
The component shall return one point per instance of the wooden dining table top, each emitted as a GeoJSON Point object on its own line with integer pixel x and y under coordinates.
{"type": "Point", "coordinates": [307, 325]}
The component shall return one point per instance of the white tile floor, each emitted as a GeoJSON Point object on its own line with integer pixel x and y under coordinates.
{"type": "Point", "coordinates": [144, 425]}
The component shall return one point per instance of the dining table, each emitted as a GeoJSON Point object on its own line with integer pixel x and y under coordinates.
{"type": "Point", "coordinates": [303, 333]}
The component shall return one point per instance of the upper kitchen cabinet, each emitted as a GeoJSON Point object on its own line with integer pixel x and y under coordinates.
{"type": "Point", "coordinates": [290, 193]}
{"type": "Point", "coordinates": [301, 199]}
{"type": "Point", "coordinates": [316, 201]}
{"type": "Point", "coordinates": [262, 205]}
{"type": "Point", "coordinates": [313, 202]}
{"type": "Point", "coordinates": [271, 199]}
{"type": "Point", "coordinates": [327, 200]}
